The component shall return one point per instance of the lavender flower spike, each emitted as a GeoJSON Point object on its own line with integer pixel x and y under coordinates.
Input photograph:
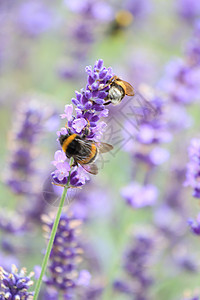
{"type": "Point", "coordinates": [137, 281]}
{"type": "Point", "coordinates": [87, 111]}
{"type": "Point", "coordinates": [65, 256]}
{"type": "Point", "coordinates": [15, 285]}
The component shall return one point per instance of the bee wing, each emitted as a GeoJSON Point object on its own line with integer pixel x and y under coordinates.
{"type": "Point", "coordinates": [143, 110]}
{"type": "Point", "coordinates": [90, 168]}
{"type": "Point", "coordinates": [129, 89]}
{"type": "Point", "coordinates": [104, 147]}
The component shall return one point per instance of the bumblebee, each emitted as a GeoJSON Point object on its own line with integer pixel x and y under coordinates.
{"type": "Point", "coordinates": [143, 110]}
{"type": "Point", "coordinates": [123, 19]}
{"type": "Point", "coordinates": [83, 151]}
{"type": "Point", "coordinates": [117, 91]}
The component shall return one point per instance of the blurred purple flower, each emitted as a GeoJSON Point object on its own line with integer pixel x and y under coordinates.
{"type": "Point", "coordinates": [188, 9]}
{"type": "Point", "coordinates": [158, 156]}
{"type": "Point", "coordinates": [150, 133]}
{"type": "Point", "coordinates": [12, 223]}
{"type": "Point", "coordinates": [122, 287]}
{"type": "Point", "coordinates": [139, 8]}
{"type": "Point", "coordinates": [139, 196]}
{"type": "Point", "coordinates": [84, 278]}
{"type": "Point", "coordinates": [187, 263]}
{"type": "Point", "coordinates": [171, 225]}
{"type": "Point", "coordinates": [193, 167]}
{"type": "Point", "coordinates": [181, 81]}
{"type": "Point", "coordinates": [50, 294]}
{"type": "Point", "coordinates": [92, 292]}
{"type": "Point", "coordinates": [30, 124]}
{"type": "Point", "coordinates": [97, 10]}
{"type": "Point", "coordinates": [7, 261]}
{"type": "Point", "coordinates": [193, 48]}
{"type": "Point", "coordinates": [15, 285]}
{"type": "Point", "coordinates": [136, 258]}
{"type": "Point", "coordinates": [195, 225]}
{"type": "Point", "coordinates": [34, 18]}
{"type": "Point", "coordinates": [92, 203]}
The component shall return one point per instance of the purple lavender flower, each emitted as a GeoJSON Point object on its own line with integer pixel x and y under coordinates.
{"type": "Point", "coordinates": [181, 81]}
{"type": "Point", "coordinates": [65, 256]}
{"type": "Point", "coordinates": [89, 108]}
{"type": "Point", "coordinates": [15, 285]}
{"type": "Point", "coordinates": [139, 196]}
{"type": "Point", "coordinates": [136, 258]}
{"type": "Point", "coordinates": [193, 167]}
{"type": "Point", "coordinates": [29, 126]}
{"type": "Point", "coordinates": [86, 26]}
{"type": "Point", "coordinates": [195, 225]}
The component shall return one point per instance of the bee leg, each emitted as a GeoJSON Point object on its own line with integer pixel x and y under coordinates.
{"type": "Point", "coordinates": [107, 84]}
{"type": "Point", "coordinates": [70, 186]}
{"type": "Point", "coordinates": [106, 103]}
{"type": "Point", "coordinates": [75, 187]}
{"type": "Point", "coordinates": [74, 164]}
{"type": "Point", "coordinates": [58, 184]}
{"type": "Point", "coordinates": [68, 129]}
{"type": "Point", "coordinates": [86, 129]}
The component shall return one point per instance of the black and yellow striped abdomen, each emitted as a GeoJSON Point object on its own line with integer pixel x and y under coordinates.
{"type": "Point", "coordinates": [83, 151]}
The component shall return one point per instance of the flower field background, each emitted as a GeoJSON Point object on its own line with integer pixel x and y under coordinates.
{"type": "Point", "coordinates": [131, 231]}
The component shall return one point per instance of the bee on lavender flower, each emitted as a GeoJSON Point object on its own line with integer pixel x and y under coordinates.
{"type": "Point", "coordinates": [143, 110]}
{"type": "Point", "coordinates": [83, 151]}
{"type": "Point", "coordinates": [118, 89]}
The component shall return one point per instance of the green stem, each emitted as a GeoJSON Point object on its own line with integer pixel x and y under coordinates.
{"type": "Point", "coordinates": [50, 244]}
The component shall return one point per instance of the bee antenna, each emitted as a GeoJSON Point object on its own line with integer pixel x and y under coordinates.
{"type": "Point", "coordinates": [68, 130]}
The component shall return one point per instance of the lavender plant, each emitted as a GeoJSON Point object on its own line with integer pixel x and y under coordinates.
{"type": "Point", "coordinates": [135, 263]}
{"type": "Point", "coordinates": [89, 109]}
{"type": "Point", "coordinates": [65, 255]}
{"type": "Point", "coordinates": [23, 174]}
